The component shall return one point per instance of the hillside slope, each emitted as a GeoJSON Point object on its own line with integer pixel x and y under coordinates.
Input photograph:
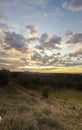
{"type": "Point", "coordinates": [24, 109]}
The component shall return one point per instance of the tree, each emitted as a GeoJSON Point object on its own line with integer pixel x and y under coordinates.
{"type": "Point", "coordinates": [4, 77]}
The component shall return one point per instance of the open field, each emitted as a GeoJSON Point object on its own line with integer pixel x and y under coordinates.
{"type": "Point", "coordinates": [24, 109]}
{"type": "Point", "coordinates": [34, 101]}
{"type": "Point", "coordinates": [71, 96]}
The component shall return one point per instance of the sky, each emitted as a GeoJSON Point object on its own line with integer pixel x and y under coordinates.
{"type": "Point", "coordinates": [41, 35]}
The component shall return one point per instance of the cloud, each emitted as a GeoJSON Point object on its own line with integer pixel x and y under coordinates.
{"type": "Point", "coordinates": [69, 60]}
{"type": "Point", "coordinates": [36, 56]}
{"type": "Point", "coordinates": [57, 60]}
{"type": "Point", "coordinates": [56, 14]}
{"type": "Point", "coordinates": [68, 33]}
{"type": "Point", "coordinates": [46, 41]}
{"type": "Point", "coordinates": [37, 67]}
{"type": "Point", "coordinates": [44, 50]}
{"type": "Point", "coordinates": [33, 32]}
{"type": "Point", "coordinates": [49, 41]}
{"type": "Point", "coordinates": [75, 5]}
{"type": "Point", "coordinates": [46, 38]}
{"type": "Point", "coordinates": [70, 64]}
{"type": "Point", "coordinates": [32, 39]}
{"type": "Point", "coordinates": [12, 59]}
{"type": "Point", "coordinates": [76, 53]}
{"type": "Point", "coordinates": [4, 54]}
{"type": "Point", "coordinates": [45, 58]}
{"type": "Point", "coordinates": [16, 41]}
{"type": "Point", "coordinates": [49, 60]}
{"type": "Point", "coordinates": [75, 38]}
{"type": "Point", "coordinates": [3, 27]}
{"type": "Point", "coordinates": [73, 58]}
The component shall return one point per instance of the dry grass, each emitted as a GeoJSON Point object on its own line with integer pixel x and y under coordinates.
{"type": "Point", "coordinates": [26, 110]}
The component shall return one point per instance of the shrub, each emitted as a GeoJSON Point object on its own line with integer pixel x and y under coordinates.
{"type": "Point", "coordinates": [79, 86]}
{"type": "Point", "coordinates": [45, 92]}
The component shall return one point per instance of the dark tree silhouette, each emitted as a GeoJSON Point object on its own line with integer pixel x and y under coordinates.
{"type": "Point", "coordinates": [4, 77]}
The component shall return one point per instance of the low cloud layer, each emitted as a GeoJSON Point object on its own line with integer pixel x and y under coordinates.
{"type": "Point", "coordinates": [43, 50]}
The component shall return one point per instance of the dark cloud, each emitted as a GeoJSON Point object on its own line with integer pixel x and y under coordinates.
{"type": "Point", "coordinates": [64, 62]}
{"type": "Point", "coordinates": [32, 30]}
{"type": "Point", "coordinates": [58, 54]}
{"type": "Point", "coordinates": [53, 39]}
{"type": "Point", "coordinates": [16, 41]}
{"type": "Point", "coordinates": [44, 59]}
{"type": "Point", "coordinates": [36, 57]}
{"type": "Point", "coordinates": [24, 60]}
{"type": "Point", "coordinates": [49, 42]}
{"type": "Point", "coordinates": [75, 5]}
{"type": "Point", "coordinates": [50, 60]}
{"type": "Point", "coordinates": [32, 39]}
{"type": "Point", "coordinates": [75, 38]}
{"type": "Point", "coordinates": [68, 33]}
{"type": "Point", "coordinates": [40, 47]}
{"type": "Point", "coordinates": [4, 54]}
{"type": "Point", "coordinates": [76, 54]}
{"type": "Point", "coordinates": [70, 64]}
{"type": "Point", "coordinates": [44, 38]}
{"type": "Point", "coordinates": [46, 41]}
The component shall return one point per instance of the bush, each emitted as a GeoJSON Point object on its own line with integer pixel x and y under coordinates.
{"type": "Point", "coordinates": [45, 92]}
{"type": "Point", "coordinates": [80, 86]}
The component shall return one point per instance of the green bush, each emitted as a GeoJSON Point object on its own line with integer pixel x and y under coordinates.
{"type": "Point", "coordinates": [45, 92]}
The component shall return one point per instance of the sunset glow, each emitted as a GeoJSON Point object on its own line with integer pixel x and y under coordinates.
{"type": "Point", "coordinates": [41, 35]}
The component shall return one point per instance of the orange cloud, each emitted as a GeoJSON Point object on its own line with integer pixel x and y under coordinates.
{"type": "Point", "coordinates": [1, 30]}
